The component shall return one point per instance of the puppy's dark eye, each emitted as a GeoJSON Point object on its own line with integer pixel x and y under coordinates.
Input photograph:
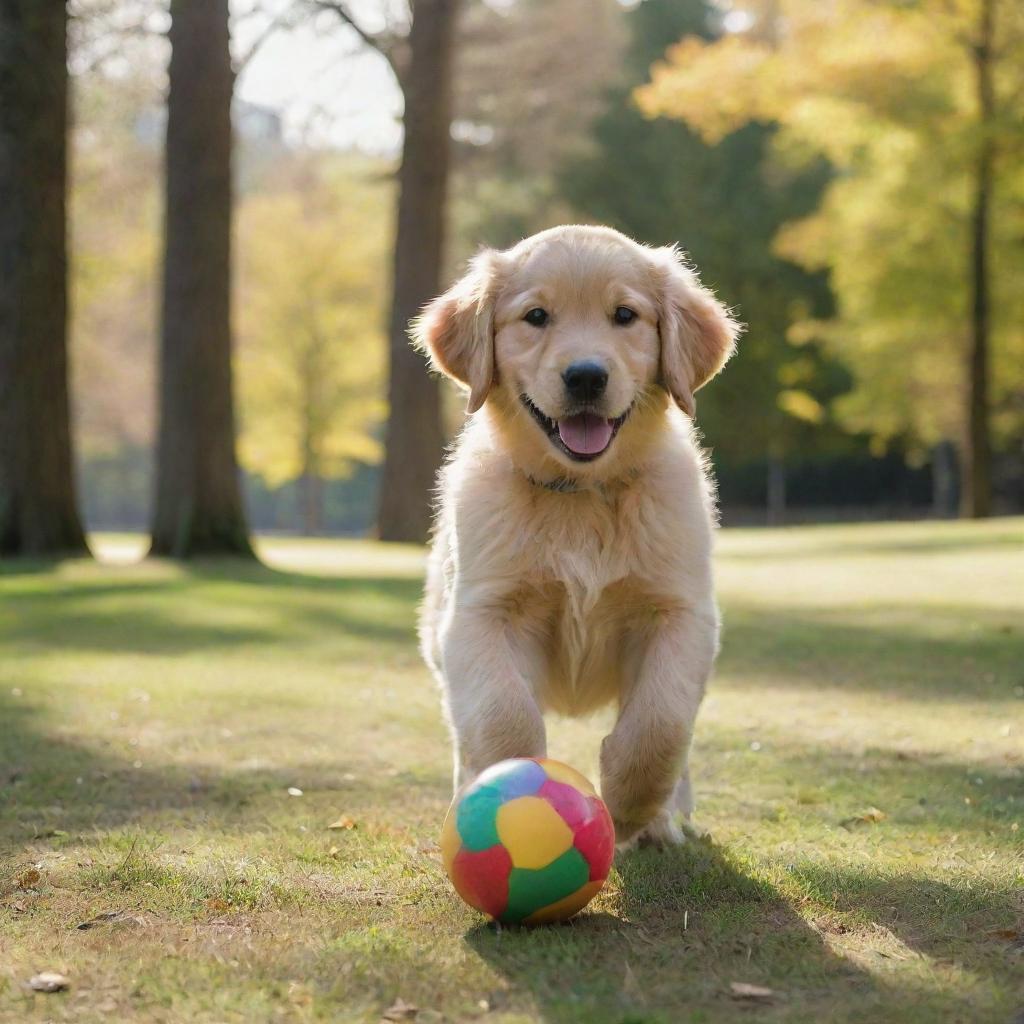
{"type": "Point", "coordinates": [537, 317]}
{"type": "Point", "coordinates": [624, 316]}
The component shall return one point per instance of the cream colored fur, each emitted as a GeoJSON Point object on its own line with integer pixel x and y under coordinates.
{"type": "Point", "coordinates": [599, 592]}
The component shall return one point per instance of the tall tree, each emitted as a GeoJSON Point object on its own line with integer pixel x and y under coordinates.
{"type": "Point", "coordinates": [421, 58]}
{"type": "Point", "coordinates": [38, 513]}
{"type": "Point", "coordinates": [918, 103]}
{"type": "Point", "coordinates": [198, 497]}
{"type": "Point", "coordinates": [414, 439]}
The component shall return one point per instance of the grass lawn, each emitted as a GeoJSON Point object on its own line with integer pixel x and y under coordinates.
{"type": "Point", "coordinates": [859, 768]}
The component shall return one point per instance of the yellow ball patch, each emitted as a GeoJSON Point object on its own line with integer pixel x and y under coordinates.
{"type": "Point", "coordinates": [533, 832]}
{"type": "Point", "coordinates": [564, 909]}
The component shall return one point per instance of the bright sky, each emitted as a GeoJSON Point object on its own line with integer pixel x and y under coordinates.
{"type": "Point", "coordinates": [328, 86]}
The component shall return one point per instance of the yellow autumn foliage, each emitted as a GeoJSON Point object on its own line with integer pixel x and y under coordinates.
{"type": "Point", "coordinates": [886, 91]}
{"type": "Point", "coordinates": [312, 293]}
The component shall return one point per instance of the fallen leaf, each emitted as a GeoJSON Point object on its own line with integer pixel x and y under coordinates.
{"type": "Point", "coordinates": [217, 904]}
{"type": "Point", "coordinates": [27, 879]}
{"type": "Point", "coordinates": [48, 981]}
{"type": "Point", "coordinates": [333, 851]}
{"type": "Point", "coordinates": [400, 1010]}
{"type": "Point", "coordinates": [755, 993]}
{"type": "Point", "coordinates": [294, 791]}
{"type": "Point", "coordinates": [299, 994]}
{"type": "Point", "coordinates": [343, 822]}
{"type": "Point", "coordinates": [869, 817]}
{"type": "Point", "coordinates": [1007, 934]}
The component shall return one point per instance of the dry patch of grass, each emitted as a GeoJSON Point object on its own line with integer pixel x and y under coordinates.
{"type": "Point", "coordinates": [859, 770]}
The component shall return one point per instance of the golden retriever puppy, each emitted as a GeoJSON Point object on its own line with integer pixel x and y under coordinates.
{"type": "Point", "coordinates": [571, 564]}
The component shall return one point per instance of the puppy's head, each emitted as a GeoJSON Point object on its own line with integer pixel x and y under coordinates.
{"type": "Point", "coordinates": [572, 336]}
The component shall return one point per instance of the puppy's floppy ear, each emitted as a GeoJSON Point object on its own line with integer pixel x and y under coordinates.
{"type": "Point", "coordinates": [457, 329]}
{"type": "Point", "coordinates": [697, 332]}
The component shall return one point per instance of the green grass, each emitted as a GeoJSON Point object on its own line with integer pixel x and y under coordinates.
{"type": "Point", "coordinates": [153, 718]}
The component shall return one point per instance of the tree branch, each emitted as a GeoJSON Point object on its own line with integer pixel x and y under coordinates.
{"type": "Point", "coordinates": [382, 43]}
{"type": "Point", "coordinates": [288, 19]}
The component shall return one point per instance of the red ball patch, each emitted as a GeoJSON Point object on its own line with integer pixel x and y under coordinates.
{"type": "Point", "coordinates": [481, 879]}
{"type": "Point", "coordinates": [596, 840]}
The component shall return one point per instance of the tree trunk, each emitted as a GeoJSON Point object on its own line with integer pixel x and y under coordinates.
{"type": "Point", "coordinates": [977, 491]}
{"type": "Point", "coordinates": [198, 497]}
{"type": "Point", "coordinates": [776, 489]}
{"type": "Point", "coordinates": [415, 441]}
{"type": "Point", "coordinates": [312, 490]}
{"type": "Point", "coordinates": [310, 479]}
{"type": "Point", "coordinates": [38, 510]}
{"type": "Point", "coordinates": [944, 480]}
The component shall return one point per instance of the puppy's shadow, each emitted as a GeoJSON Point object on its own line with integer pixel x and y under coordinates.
{"type": "Point", "coordinates": [663, 943]}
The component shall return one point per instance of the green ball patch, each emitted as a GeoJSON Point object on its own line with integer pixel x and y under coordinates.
{"type": "Point", "coordinates": [530, 890]}
{"type": "Point", "coordinates": [477, 818]}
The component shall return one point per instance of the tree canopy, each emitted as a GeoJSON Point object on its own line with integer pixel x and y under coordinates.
{"type": "Point", "coordinates": [883, 90]}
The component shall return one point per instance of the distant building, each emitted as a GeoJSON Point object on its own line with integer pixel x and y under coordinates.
{"type": "Point", "coordinates": [256, 124]}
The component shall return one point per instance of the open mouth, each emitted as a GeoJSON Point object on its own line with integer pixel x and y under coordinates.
{"type": "Point", "coordinates": [583, 437]}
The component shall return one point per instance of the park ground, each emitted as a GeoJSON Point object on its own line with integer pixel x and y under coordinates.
{"type": "Point", "coordinates": [175, 744]}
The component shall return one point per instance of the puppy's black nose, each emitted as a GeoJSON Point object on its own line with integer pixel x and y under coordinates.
{"type": "Point", "coordinates": [585, 381]}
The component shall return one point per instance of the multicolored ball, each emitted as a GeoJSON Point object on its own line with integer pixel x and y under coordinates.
{"type": "Point", "coordinates": [530, 841]}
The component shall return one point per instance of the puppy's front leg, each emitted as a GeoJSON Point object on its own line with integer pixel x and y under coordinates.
{"type": "Point", "coordinates": [489, 671]}
{"type": "Point", "coordinates": [645, 756]}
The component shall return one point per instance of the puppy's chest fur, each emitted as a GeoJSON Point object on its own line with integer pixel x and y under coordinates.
{"type": "Point", "coordinates": [588, 593]}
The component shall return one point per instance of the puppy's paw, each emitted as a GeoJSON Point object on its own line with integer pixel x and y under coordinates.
{"type": "Point", "coordinates": [661, 831]}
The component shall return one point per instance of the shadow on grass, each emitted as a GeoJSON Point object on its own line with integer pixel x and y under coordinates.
{"type": "Point", "coordinates": [952, 653]}
{"type": "Point", "coordinates": [692, 921]}
{"type": "Point", "coordinates": [52, 787]}
{"type": "Point", "coordinates": [959, 922]}
{"type": "Point", "coordinates": [929, 794]}
{"type": "Point", "coordinates": [200, 608]}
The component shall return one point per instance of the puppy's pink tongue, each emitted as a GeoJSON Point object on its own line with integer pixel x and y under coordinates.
{"type": "Point", "coordinates": [585, 433]}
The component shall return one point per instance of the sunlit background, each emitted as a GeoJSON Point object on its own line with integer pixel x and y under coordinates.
{"type": "Point", "coordinates": [223, 763]}
{"type": "Point", "coordinates": [831, 208]}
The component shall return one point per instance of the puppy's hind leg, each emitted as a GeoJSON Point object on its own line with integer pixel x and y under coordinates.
{"type": "Point", "coordinates": [682, 797]}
